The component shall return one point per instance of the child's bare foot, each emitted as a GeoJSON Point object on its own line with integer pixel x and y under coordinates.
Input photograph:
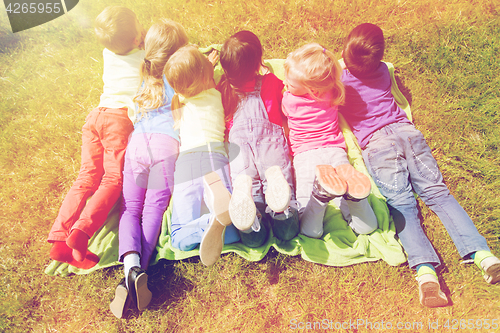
{"type": "Point", "coordinates": [63, 253]}
{"type": "Point", "coordinates": [78, 241]}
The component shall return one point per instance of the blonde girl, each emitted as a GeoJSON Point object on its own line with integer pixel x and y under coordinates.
{"type": "Point", "coordinates": [322, 169]}
{"type": "Point", "coordinates": [149, 166]}
{"type": "Point", "coordinates": [201, 170]}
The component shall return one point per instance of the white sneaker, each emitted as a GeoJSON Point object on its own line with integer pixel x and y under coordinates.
{"type": "Point", "coordinates": [430, 292]}
{"type": "Point", "coordinates": [278, 192]}
{"type": "Point", "coordinates": [490, 267]}
{"type": "Point", "coordinates": [217, 197]}
{"type": "Point", "coordinates": [242, 207]}
{"type": "Point", "coordinates": [212, 242]}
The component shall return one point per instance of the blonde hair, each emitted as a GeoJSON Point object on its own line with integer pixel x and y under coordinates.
{"type": "Point", "coordinates": [189, 73]}
{"type": "Point", "coordinates": [318, 70]}
{"type": "Point", "coordinates": [115, 28]}
{"type": "Point", "coordinates": [162, 40]}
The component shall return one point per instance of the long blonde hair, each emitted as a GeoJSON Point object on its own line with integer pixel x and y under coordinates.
{"type": "Point", "coordinates": [162, 40]}
{"type": "Point", "coordinates": [318, 70]}
{"type": "Point", "coordinates": [189, 73]}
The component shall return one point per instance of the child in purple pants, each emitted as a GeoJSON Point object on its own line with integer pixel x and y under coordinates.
{"type": "Point", "coordinates": [148, 175]}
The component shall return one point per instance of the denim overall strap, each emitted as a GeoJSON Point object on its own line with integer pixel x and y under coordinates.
{"type": "Point", "coordinates": [251, 106]}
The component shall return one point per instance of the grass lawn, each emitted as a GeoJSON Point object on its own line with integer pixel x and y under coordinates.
{"type": "Point", "coordinates": [446, 58]}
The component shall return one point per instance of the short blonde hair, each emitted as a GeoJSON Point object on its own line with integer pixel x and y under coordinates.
{"type": "Point", "coordinates": [162, 40]}
{"type": "Point", "coordinates": [188, 72]}
{"type": "Point", "coordinates": [318, 70]}
{"type": "Point", "coordinates": [115, 28]}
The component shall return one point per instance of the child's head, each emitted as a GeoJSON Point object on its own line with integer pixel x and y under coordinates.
{"type": "Point", "coordinates": [118, 29]}
{"type": "Point", "coordinates": [188, 72]}
{"type": "Point", "coordinates": [364, 49]}
{"type": "Point", "coordinates": [162, 40]}
{"type": "Point", "coordinates": [314, 70]}
{"type": "Point", "coordinates": [241, 57]}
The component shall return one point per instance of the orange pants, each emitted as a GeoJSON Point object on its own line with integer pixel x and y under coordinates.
{"type": "Point", "coordinates": [104, 141]}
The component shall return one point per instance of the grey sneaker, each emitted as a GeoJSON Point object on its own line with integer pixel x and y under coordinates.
{"type": "Point", "coordinates": [217, 197]}
{"type": "Point", "coordinates": [490, 267]}
{"type": "Point", "coordinates": [278, 192]}
{"type": "Point", "coordinates": [241, 207]}
{"type": "Point", "coordinates": [212, 242]}
{"type": "Point", "coordinates": [430, 292]}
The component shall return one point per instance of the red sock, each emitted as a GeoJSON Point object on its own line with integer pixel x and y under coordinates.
{"type": "Point", "coordinates": [62, 252]}
{"type": "Point", "coordinates": [78, 241]}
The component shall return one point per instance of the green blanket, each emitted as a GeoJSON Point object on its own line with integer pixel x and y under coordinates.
{"type": "Point", "coordinates": [339, 245]}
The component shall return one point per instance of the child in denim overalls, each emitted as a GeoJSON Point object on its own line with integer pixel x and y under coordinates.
{"type": "Point", "coordinates": [258, 151]}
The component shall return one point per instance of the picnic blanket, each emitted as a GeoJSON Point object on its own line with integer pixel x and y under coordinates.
{"type": "Point", "coordinates": [339, 246]}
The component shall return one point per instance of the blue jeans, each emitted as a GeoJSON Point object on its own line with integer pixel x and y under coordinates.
{"type": "Point", "coordinates": [400, 162]}
{"type": "Point", "coordinates": [188, 221]}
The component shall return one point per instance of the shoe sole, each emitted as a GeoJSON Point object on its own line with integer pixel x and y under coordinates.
{"type": "Point", "coordinates": [492, 274]}
{"type": "Point", "coordinates": [142, 292]}
{"type": "Point", "coordinates": [431, 295]}
{"type": "Point", "coordinates": [330, 180]}
{"type": "Point", "coordinates": [212, 242]}
{"type": "Point", "coordinates": [118, 305]}
{"type": "Point", "coordinates": [242, 209]}
{"type": "Point", "coordinates": [358, 184]}
{"type": "Point", "coordinates": [278, 192]}
{"type": "Point", "coordinates": [220, 196]}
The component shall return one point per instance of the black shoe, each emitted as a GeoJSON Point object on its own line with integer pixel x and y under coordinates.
{"type": "Point", "coordinates": [138, 287]}
{"type": "Point", "coordinates": [119, 305]}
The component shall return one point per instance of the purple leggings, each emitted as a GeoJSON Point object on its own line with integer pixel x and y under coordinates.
{"type": "Point", "coordinates": [148, 180]}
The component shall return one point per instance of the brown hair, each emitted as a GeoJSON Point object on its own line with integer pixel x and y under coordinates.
{"type": "Point", "coordinates": [364, 49]}
{"type": "Point", "coordinates": [241, 58]}
{"type": "Point", "coordinates": [318, 70]}
{"type": "Point", "coordinates": [115, 28]}
{"type": "Point", "coordinates": [162, 40]}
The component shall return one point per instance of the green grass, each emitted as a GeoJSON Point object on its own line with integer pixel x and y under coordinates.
{"type": "Point", "coordinates": [446, 56]}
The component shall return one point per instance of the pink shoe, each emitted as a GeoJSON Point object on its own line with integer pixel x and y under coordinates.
{"type": "Point", "coordinates": [358, 184]}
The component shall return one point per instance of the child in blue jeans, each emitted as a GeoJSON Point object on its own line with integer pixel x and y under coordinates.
{"type": "Point", "coordinates": [202, 168]}
{"type": "Point", "coordinates": [261, 169]}
{"type": "Point", "coordinates": [400, 162]}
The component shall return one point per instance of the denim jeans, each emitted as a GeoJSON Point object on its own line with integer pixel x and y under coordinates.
{"type": "Point", "coordinates": [400, 162]}
{"type": "Point", "coordinates": [188, 222]}
{"type": "Point", "coordinates": [148, 182]}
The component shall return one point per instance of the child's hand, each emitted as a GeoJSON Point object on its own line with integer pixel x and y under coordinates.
{"type": "Point", "coordinates": [342, 63]}
{"type": "Point", "coordinates": [264, 69]}
{"type": "Point", "coordinates": [213, 57]}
